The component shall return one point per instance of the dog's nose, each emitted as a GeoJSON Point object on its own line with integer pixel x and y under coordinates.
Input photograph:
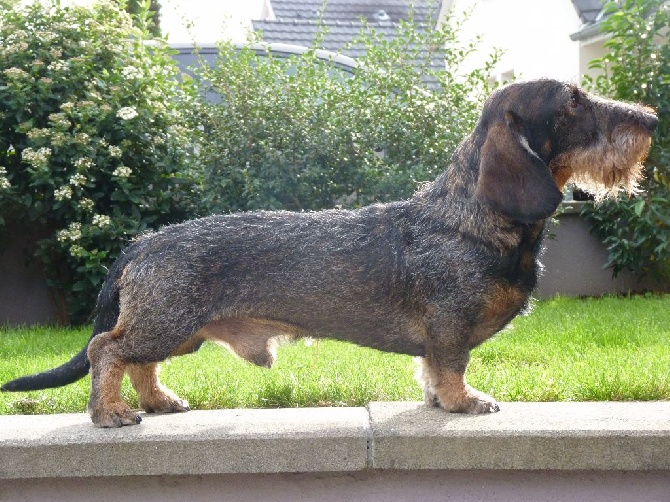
{"type": "Point", "coordinates": [649, 121]}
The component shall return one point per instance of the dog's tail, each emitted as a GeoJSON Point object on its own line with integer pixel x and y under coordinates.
{"type": "Point", "coordinates": [106, 314]}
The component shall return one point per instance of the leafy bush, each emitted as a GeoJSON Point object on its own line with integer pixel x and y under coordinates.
{"type": "Point", "coordinates": [92, 144]}
{"type": "Point", "coordinates": [637, 230]}
{"type": "Point", "coordinates": [296, 133]}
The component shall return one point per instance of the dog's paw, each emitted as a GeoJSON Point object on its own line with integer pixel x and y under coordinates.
{"type": "Point", "coordinates": [168, 406]}
{"type": "Point", "coordinates": [430, 398]}
{"type": "Point", "coordinates": [114, 416]}
{"type": "Point", "coordinates": [470, 401]}
{"type": "Point", "coordinates": [479, 406]}
{"type": "Point", "coordinates": [164, 402]}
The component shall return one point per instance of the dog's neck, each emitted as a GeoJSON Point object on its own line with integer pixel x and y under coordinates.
{"type": "Point", "coordinates": [453, 194]}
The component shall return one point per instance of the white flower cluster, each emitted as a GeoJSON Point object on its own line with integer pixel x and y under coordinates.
{"type": "Point", "coordinates": [15, 73]}
{"type": "Point", "coordinates": [83, 139]}
{"type": "Point", "coordinates": [63, 193]}
{"type": "Point", "coordinates": [39, 133]}
{"type": "Point", "coordinates": [86, 204]}
{"type": "Point", "coordinates": [4, 182]}
{"type": "Point", "coordinates": [131, 73]}
{"type": "Point", "coordinates": [59, 65]}
{"type": "Point", "coordinates": [83, 163]}
{"type": "Point", "coordinates": [76, 251]}
{"type": "Point", "coordinates": [122, 172]}
{"type": "Point", "coordinates": [36, 158]}
{"type": "Point", "coordinates": [59, 120]}
{"type": "Point", "coordinates": [46, 36]}
{"type": "Point", "coordinates": [71, 233]}
{"type": "Point", "coordinates": [59, 139]}
{"type": "Point", "coordinates": [115, 151]}
{"type": "Point", "coordinates": [101, 220]}
{"type": "Point", "coordinates": [13, 48]}
{"type": "Point", "coordinates": [78, 180]}
{"type": "Point", "coordinates": [127, 113]}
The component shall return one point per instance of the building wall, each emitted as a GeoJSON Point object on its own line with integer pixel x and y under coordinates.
{"type": "Point", "coordinates": [535, 36]}
{"type": "Point", "coordinates": [589, 50]}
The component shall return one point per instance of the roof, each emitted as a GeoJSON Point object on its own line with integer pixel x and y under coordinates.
{"type": "Point", "coordinates": [338, 33]}
{"type": "Point", "coordinates": [354, 10]}
{"type": "Point", "coordinates": [588, 10]}
{"type": "Point", "coordinates": [591, 14]}
{"type": "Point", "coordinates": [297, 22]}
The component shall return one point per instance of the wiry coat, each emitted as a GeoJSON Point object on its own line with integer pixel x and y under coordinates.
{"type": "Point", "coordinates": [432, 276]}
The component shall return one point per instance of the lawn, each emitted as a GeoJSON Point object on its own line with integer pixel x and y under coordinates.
{"type": "Point", "coordinates": [613, 348]}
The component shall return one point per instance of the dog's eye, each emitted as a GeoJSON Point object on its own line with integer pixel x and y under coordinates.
{"type": "Point", "coordinates": [575, 100]}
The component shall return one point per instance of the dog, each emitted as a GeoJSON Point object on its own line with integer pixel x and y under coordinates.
{"type": "Point", "coordinates": [432, 276]}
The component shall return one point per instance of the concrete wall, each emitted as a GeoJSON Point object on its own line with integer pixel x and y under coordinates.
{"type": "Point", "coordinates": [573, 260]}
{"type": "Point", "coordinates": [387, 451]}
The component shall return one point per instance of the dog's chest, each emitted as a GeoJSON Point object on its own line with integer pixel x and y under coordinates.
{"type": "Point", "coordinates": [501, 304]}
{"type": "Point", "coordinates": [510, 292]}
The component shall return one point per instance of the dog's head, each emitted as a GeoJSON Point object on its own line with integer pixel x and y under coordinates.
{"type": "Point", "coordinates": [540, 134]}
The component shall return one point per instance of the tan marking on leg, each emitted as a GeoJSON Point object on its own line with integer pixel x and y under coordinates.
{"type": "Point", "coordinates": [448, 390]}
{"type": "Point", "coordinates": [153, 396]}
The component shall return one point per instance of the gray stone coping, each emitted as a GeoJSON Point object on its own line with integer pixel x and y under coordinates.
{"type": "Point", "coordinates": [398, 435]}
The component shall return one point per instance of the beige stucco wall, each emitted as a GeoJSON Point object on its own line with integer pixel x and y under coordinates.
{"type": "Point", "coordinates": [535, 36]}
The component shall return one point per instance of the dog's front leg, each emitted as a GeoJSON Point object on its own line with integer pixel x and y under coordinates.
{"type": "Point", "coordinates": [442, 374]}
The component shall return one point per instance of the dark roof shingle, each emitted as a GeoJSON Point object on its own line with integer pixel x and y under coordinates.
{"type": "Point", "coordinates": [354, 10]}
{"type": "Point", "coordinates": [297, 22]}
{"type": "Point", "coordinates": [588, 10]}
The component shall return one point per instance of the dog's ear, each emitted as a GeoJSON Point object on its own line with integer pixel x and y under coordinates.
{"type": "Point", "coordinates": [513, 179]}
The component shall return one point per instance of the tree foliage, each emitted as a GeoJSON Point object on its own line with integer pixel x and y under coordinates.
{"type": "Point", "coordinates": [637, 68]}
{"type": "Point", "coordinates": [297, 133]}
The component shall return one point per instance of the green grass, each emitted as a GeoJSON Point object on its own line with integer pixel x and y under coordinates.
{"type": "Point", "coordinates": [611, 348]}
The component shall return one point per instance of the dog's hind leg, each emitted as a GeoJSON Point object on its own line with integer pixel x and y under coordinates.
{"type": "Point", "coordinates": [153, 396]}
{"type": "Point", "coordinates": [105, 405]}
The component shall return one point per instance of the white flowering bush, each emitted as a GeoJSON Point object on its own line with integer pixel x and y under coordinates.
{"type": "Point", "coordinates": [93, 148]}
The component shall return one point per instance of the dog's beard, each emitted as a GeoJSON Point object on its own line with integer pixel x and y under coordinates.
{"type": "Point", "coordinates": [609, 167]}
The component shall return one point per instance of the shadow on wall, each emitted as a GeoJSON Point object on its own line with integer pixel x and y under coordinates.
{"type": "Point", "coordinates": [25, 297]}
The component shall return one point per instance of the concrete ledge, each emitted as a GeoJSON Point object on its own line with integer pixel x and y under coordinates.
{"type": "Point", "coordinates": [193, 443]}
{"type": "Point", "coordinates": [524, 436]}
{"type": "Point", "coordinates": [401, 436]}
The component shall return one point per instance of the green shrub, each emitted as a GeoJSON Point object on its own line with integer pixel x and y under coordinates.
{"type": "Point", "coordinates": [92, 144]}
{"type": "Point", "coordinates": [637, 230]}
{"type": "Point", "coordinates": [295, 133]}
